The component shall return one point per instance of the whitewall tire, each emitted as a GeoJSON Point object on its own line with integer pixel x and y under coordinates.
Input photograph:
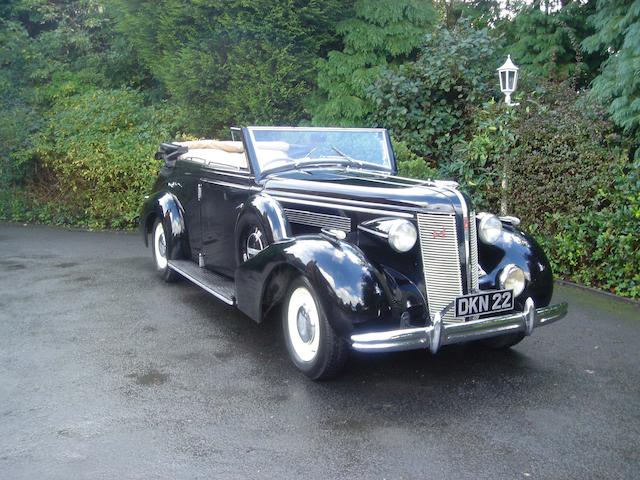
{"type": "Point", "coordinates": [313, 345]}
{"type": "Point", "coordinates": [160, 250]}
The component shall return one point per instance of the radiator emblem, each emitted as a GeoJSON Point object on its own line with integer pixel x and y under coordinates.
{"type": "Point", "coordinates": [440, 233]}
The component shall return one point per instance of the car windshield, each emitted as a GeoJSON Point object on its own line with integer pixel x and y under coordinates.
{"type": "Point", "coordinates": [278, 148]}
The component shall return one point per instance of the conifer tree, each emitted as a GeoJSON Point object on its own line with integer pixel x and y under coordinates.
{"type": "Point", "coordinates": [381, 33]}
{"type": "Point", "coordinates": [617, 26]}
{"type": "Point", "coordinates": [547, 42]}
{"type": "Point", "coordinates": [230, 62]}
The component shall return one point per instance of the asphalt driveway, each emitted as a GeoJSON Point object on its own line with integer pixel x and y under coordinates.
{"type": "Point", "coordinates": [106, 372]}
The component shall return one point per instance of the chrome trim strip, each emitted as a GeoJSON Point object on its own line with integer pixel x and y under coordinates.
{"type": "Point", "coordinates": [438, 334]}
{"type": "Point", "coordinates": [373, 231]}
{"type": "Point", "coordinates": [515, 221]}
{"type": "Point", "coordinates": [341, 207]}
{"type": "Point", "coordinates": [228, 301]}
{"type": "Point", "coordinates": [347, 201]}
{"type": "Point", "coordinates": [320, 129]}
{"type": "Point", "coordinates": [315, 219]}
{"type": "Point", "coordinates": [465, 227]}
{"type": "Point", "coordinates": [473, 246]}
{"type": "Point", "coordinates": [229, 184]}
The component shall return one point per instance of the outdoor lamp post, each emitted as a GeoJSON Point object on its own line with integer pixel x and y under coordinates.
{"type": "Point", "coordinates": [508, 74]}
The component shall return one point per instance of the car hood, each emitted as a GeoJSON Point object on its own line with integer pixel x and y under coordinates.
{"type": "Point", "coordinates": [366, 188]}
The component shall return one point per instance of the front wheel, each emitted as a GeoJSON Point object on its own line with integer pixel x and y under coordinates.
{"type": "Point", "coordinates": [160, 253]}
{"type": "Point", "coordinates": [313, 345]}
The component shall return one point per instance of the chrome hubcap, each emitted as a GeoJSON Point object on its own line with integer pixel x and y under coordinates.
{"type": "Point", "coordinates": [253, 245]}
{"type": "Point", "coordinates": [303, 324]}
{"type": "Point", "coordinates": [306, 329]}
{"type": "Point", "coordinates": [162, 247]}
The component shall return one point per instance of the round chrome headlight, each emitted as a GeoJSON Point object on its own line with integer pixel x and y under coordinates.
{"type": "Point", "coordinates": [513, 278]}
{"type": "Point", "coordinates": [490, 228]}
{"type": "Point", "coordinates": [402, 235]}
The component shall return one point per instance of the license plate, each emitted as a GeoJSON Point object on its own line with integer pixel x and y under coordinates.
{"type": "Point", "coordinates": [484, 302]}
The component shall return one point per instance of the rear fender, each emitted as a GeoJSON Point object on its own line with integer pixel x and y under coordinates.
{"type": "Point", "coordinates": [167, 207]}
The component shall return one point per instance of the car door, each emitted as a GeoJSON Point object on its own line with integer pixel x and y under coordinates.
{"type": "Point", "coordinates": [222, 194]}
{"type": "Point", "coordinates": [186, 187]}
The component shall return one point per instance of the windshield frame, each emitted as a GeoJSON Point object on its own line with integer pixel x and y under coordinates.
{"type": "Point", "coordinates": [249, 139]}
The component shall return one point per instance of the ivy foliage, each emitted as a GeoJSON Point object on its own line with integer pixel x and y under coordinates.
{"type": "Point", "coordinates": [567, 151]}
{"type": "Point", "coordinates": [381, 34]}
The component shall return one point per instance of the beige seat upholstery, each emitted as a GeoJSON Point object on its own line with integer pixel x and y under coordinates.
{"type": "Point", "coordinates": [216, 152]}
{"type": "Point", "coordinates": [268, 152]}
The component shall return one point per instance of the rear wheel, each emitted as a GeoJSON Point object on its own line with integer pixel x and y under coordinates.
{"type": "Point", "coordinates": [313, 345]}
{"type": "Point", "coordinates": [160, 253]}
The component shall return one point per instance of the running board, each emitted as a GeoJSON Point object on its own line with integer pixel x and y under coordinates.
{"type": "Point", "coordinates": [217, 285]}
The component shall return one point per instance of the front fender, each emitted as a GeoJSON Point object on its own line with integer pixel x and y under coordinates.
{"type": "Point", "coordinates": [350, 289]}
{"type": "Point", "coordinates": [167, 207]}
{"type": "Point", "coordinates": [271, 213]}
{"type": "Point", "coordinates": [515, 246]}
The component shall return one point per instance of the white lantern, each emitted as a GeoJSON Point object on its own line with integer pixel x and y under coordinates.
{"type": "Point", "coordinates": [508, 74]}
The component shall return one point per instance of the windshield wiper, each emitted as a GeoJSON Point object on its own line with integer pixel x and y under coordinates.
{"type": "Point", "coordinates": [322, 161]}
{"type": "Point", "coordinates": [359, 163]}
{"type": "Point", "coordinates": [297, 164]}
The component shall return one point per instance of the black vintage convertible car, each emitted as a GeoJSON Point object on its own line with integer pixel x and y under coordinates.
{"type": "Point", "coordinates": [315, 222]}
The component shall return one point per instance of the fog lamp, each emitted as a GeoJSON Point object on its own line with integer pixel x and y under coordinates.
{"type": "Point", "coordinates": [513, 278]}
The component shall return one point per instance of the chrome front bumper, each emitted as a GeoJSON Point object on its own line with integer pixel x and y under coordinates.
{"type": "Point", "coordinates": [438, 334]}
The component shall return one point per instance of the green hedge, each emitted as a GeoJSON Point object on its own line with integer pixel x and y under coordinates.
{"type": "Point", "coordinates": [94, 160]}
{"type": "Point", "coordinates": [570, 180]}
{"type": "Point", "coordinates": [599, 246]}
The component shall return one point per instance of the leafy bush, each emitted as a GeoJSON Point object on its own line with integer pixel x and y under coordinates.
{"type": "Point", "coordinates": [569, 179]}
{"type": "Point", "coordinates": [411, 165]}
{"type": "Point", "coordinates": [567, 152]}
{"type": "Point", "coordinates": [600, 247]}
{"type": "Point", "coordinates": [95, 158]}
{"type": "Point", "coordinates": [479, 164]}
{"type": "Point", "coordinates": [17, 126]}
{"type": "Point", "coordinates": [425, 103]}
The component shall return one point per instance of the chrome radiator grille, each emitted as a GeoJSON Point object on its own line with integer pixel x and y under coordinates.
{"type": "Point", "coordinates": [473, 251]}
{"type": "Point", "coordinates": [440, 261]}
